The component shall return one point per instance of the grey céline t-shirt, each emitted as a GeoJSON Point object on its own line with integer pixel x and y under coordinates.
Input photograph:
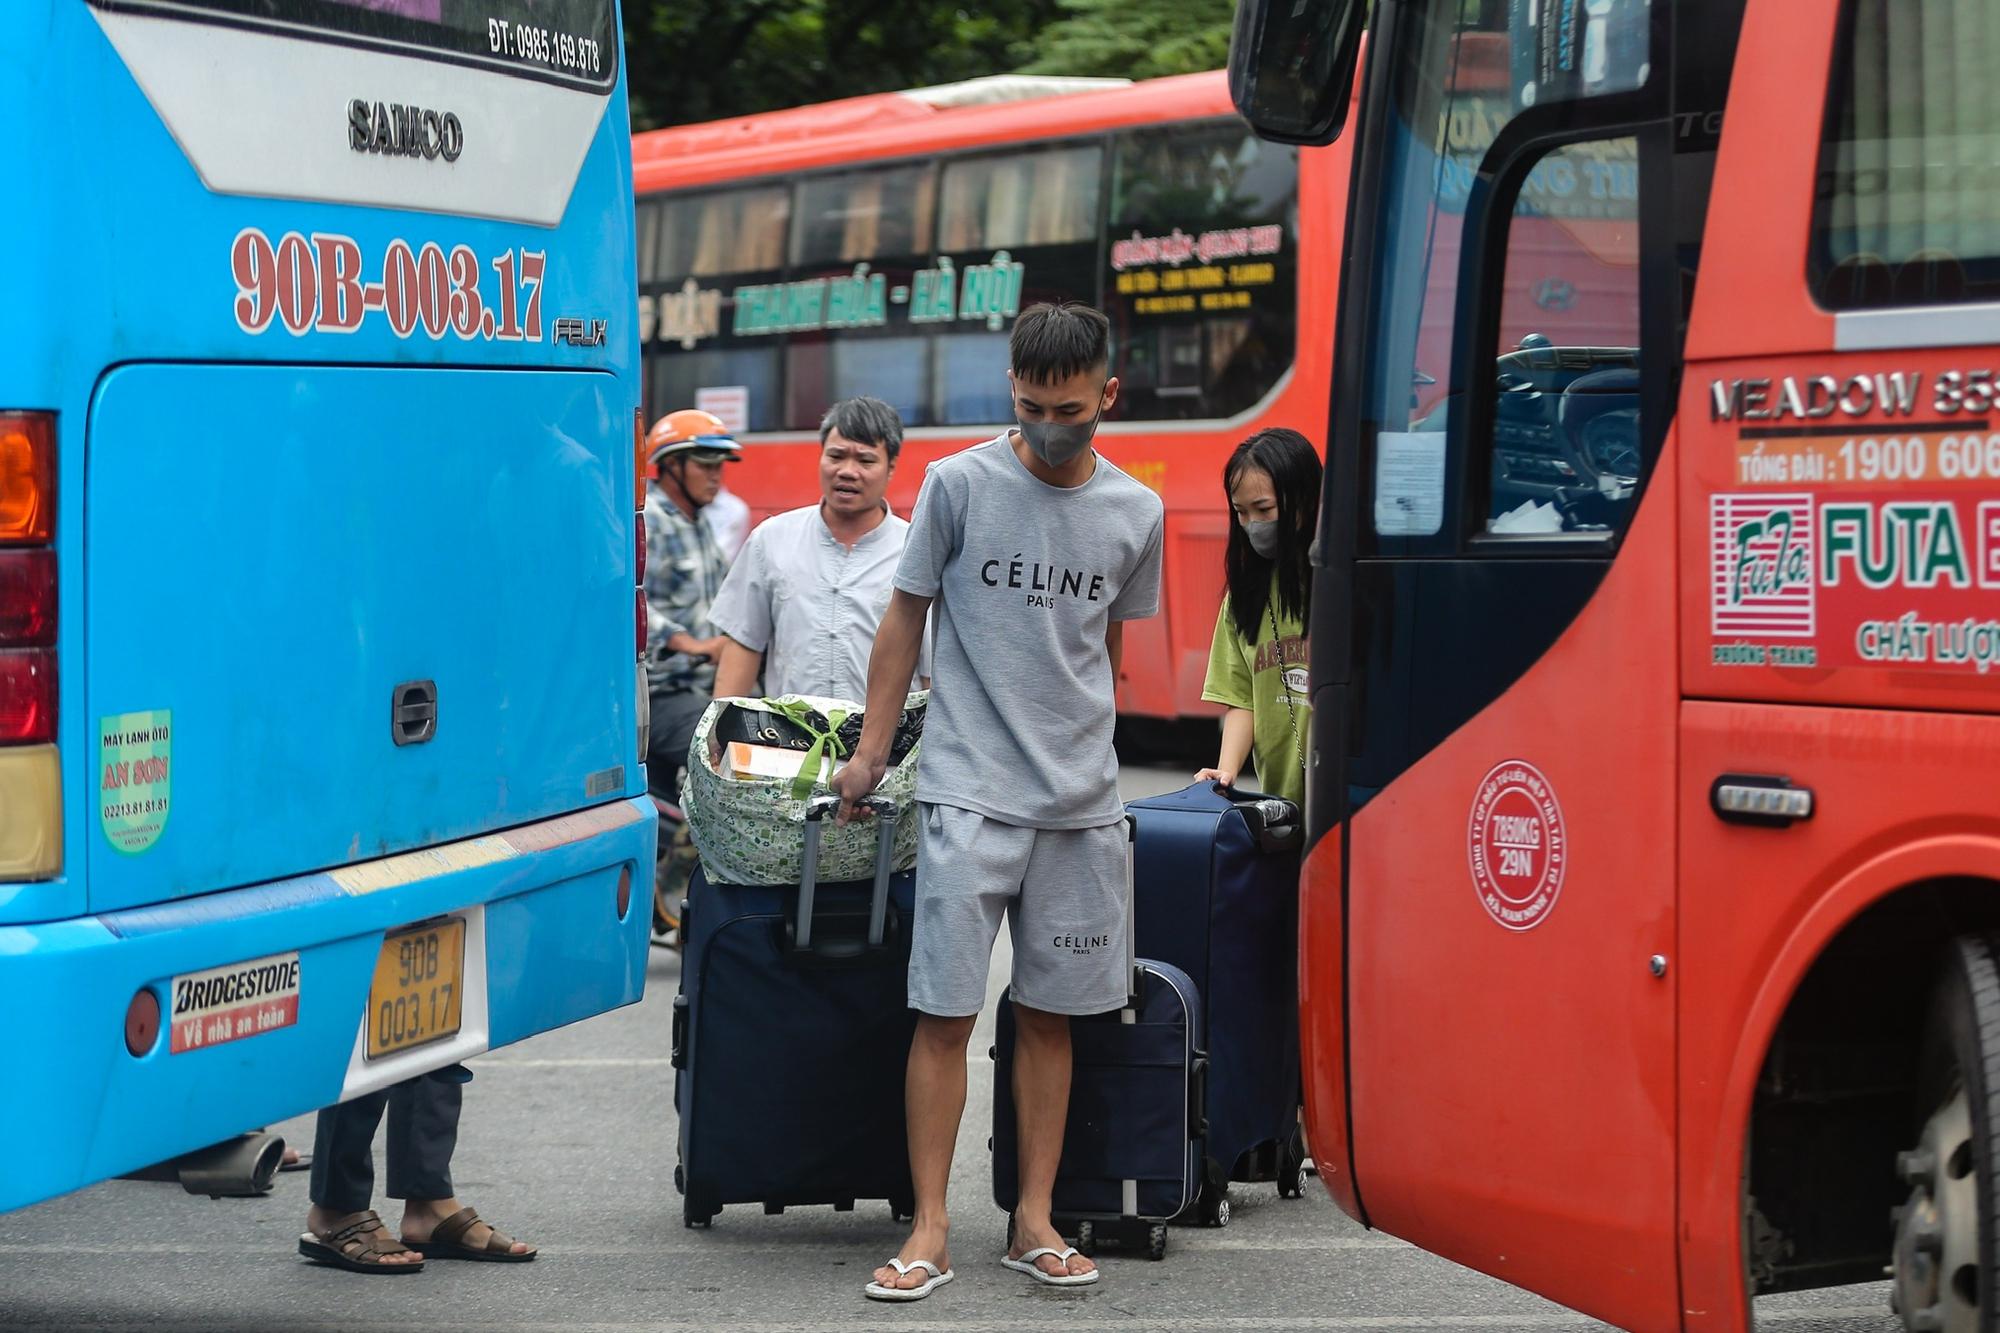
{"type": "Point", "coordinates": [1026, 579]}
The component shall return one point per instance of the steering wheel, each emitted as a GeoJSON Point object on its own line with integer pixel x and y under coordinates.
{"type": "Point", "coordinates": [1599, 412]}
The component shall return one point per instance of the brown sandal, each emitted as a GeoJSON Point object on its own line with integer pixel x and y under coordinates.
{"type": "Point", "coordinates": [357, 1242]}
{"type": "Point", "coordinates": [448, 1242]}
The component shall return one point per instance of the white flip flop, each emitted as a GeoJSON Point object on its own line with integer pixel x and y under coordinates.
{"type": "Point", "coordinates": [875, 1291]}
{"type": "Point", "coordinates": [1026, 1264]}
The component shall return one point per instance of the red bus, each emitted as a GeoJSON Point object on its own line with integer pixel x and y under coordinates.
{"type": "Point", "coordinates": [1650, 941]}
{"type": "Point", "coordinates": [884, 244]}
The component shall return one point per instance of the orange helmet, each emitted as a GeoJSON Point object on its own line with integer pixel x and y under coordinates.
{"type": "Point", "coordinates": [691, 431]}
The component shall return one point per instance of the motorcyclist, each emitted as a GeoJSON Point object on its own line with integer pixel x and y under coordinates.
{"type": "Point", "coordinates": [684, 570]}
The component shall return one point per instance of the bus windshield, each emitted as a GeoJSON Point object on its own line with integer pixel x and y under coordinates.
{"type": "Point", "coordinates": [571, 41]}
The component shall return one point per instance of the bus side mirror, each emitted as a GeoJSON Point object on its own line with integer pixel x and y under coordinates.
{"type": "Point", "coordinates": [1291, 66]}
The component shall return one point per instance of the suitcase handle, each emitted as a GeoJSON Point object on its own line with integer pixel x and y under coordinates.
{"type": "Point", "coordinates": [680, 1031]}
{"type": "Point", "coordinates": [1273, 821]}
{"type": "Point", "coordinates": [799, 930]}
{"type": "Point", "coordinates": [1135, 982]}
{"type": "Point", "coordinates": [1198, 1097]}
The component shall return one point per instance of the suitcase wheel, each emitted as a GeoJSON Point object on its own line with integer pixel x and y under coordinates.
{"type": "Point", "coordinates": [773, 1209]}
{"type": "Point", "coordinates": [844, 1206]}
{"type": "Point", "coordinates": [902, 1210]}
{"type": "Point", "coordinates": [680, 1179]}
{"type": "Point", "coordinates": [697, 1209]}
{"type": "Point", "coordinates": [1156, 1241]}
{"type": "Point", "coordinates": [1086, 1239]}
{"type": "Point", "coordinates": [1292, 1168]}
{"type": "Point", "coordinates": [1215, 1208]}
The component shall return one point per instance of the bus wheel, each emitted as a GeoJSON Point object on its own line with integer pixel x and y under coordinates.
{"type": "Point", "coordinates": [1943, 1251]}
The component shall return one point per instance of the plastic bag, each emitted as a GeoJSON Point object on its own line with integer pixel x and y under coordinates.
{"type": "Point", "coordinates": [752, 831]}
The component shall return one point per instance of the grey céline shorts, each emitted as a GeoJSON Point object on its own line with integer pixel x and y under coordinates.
{"type": "Point", "coordinates": [1063, 892]}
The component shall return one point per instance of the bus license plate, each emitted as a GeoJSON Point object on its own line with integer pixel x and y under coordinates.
{"type": "Point", "coordinates": [418, 994]}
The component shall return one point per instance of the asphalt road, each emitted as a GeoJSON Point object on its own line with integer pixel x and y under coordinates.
{"type": "Point", "coordinates": [568, 1141]}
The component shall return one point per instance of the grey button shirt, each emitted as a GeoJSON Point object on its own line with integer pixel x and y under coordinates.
{"type": "Point", "coordinates": [810, 604]}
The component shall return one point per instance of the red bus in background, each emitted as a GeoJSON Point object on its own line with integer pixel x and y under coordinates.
{"type": "Point", "coordinates": [884, 244]}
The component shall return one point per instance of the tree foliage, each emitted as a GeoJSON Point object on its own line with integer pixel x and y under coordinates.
{"type": "Point", "coordinates": [1140, 39]}
{"type": "Point", "coordinates": [695, 60]}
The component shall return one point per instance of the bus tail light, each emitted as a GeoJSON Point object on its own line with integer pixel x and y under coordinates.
{"type": "Point", "coordinates": [30, 769]}
{"type": "Point", "coordinates": [639, 576]}
{"type": "Point", "coordinates": [639, 457]}
{"type": "Point", "coordinates": [27, 478]}
{"type": "Point", "coordinates": [27, 696]}
{"type": "Point", "coordinates": [142, 1021]}
{"type": "Point", "coordinates": [27, 599]}
{"type": "Point", "coordinates": [30, 813]}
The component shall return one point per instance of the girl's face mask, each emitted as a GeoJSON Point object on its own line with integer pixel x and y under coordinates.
{"type": "Point", "coordinates": [1263, 537]}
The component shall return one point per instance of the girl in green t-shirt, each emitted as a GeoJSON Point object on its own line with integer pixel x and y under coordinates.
{"type": "Point", "coordinates": [1259, 659]}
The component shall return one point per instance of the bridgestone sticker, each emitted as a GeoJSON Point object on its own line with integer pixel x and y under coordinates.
{"type": "Point", "coordinates": [135, 754]}
{"type": "Point", "coordinates": [230, 1003]}
{"type": "Point", "coordinates": [1516, 845]}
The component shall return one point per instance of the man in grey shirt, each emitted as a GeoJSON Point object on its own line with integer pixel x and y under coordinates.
{"type": "Point", "coordinates": [802, 602]}
{"type": "Point", "coordinates": [1035, 551]}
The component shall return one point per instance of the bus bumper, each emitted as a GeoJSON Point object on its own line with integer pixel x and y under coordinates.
{"type": "Point", "coordinates": [545, 945]}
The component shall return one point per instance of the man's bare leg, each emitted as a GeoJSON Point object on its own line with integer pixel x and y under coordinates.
{"type": "Point", "coordinates": [934, 1100]}
{"type": "Point", "coordinates": [1041, 1110]}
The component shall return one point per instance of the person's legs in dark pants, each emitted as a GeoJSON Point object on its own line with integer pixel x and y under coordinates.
{"type": "Point", "coordinates": [343, 1165]}
{"type": "Point", "coordinates": [343, 1184]}
{"type": "Point", "coordinates": [423, 1133]}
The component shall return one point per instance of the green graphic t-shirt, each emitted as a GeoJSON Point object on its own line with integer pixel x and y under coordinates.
{"type": "Point", "coordinates": [1260, 675]}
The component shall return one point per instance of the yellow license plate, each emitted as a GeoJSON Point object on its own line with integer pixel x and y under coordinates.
{"type": "Point", "coordinates": [418, 992]}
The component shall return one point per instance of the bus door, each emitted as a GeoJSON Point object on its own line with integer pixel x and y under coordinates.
{"type": "Point", "coordinates": [1504, 741]}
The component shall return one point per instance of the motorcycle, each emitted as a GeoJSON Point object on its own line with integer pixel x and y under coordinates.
{"type": "Point", "coordinates": [674, 861]}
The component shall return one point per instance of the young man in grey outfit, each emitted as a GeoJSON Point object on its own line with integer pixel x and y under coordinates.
{"type": "Point", "coordinates": [1035, 551]}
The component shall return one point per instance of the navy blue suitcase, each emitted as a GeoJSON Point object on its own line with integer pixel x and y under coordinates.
{"type": "Point", "coordinates": [1216, 876]}
{"type": "Point", "coordinates": [790, 1036]}
{"type": "Point", "coordinates": [1132, 1157]}
{"type": "Point", "coordinates": [1132, 1149]}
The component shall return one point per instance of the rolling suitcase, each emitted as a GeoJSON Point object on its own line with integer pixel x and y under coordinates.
{"type": "Point", "coordinates": [1132, 1150]}
{"type": "Point", "coordinates": [790, 1036]}
{"type": "Point", "coordinates": [1216, 876]}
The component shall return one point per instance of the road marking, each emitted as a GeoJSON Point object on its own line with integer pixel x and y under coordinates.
{"type": "Point", "coordinates": [580, 1062]}
{"type": "Point", "coordinates": [1245, 1323]}
{"type": "Point", "coordinates": [716, 1250]}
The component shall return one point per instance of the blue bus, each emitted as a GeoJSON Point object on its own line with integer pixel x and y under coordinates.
{"type": "Point", "coordinates": [320, 707]}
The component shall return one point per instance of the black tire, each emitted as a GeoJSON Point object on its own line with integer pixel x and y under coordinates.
{"type": "Point", "coordinates": [697, 1209]}
{"type": "Point", "coordinates": [1156, 1241]}
{"type": "Point", "coordinates": [1946, 1234]}
{"type": "Point", "coordinates": [680, 1179]}
{"type": "Point", "coordinates": [1086, 1239]}
{"type": "Point", "coordinates": [902, 1210]}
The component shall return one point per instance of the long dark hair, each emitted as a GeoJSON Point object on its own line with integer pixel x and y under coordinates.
{"type": "Point", "coordinates": [1287, 457]}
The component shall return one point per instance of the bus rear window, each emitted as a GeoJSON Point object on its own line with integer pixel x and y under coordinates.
{"type": "Point", "coordinates": [1905, 213]}
{"type": "Point", "coordinates": [565, 41]}
{"type": "Point", "coordinates": [1202, 287]}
